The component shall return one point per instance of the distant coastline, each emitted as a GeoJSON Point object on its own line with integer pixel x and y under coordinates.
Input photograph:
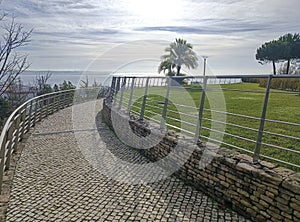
{"type": "Point", "coordinates": [58, 77]}
{"type": "Point", "coordinates": [75, 77]}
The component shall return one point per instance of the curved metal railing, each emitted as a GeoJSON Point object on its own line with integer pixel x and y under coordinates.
{"type": "Point", "coordinates": [125, 94]}
{"type": "Point", "coordinates": [25, 117]}
{"type": "Point", "coordinates": [249, 132]}
{"type": "Point", "coordinates": [34, 110]}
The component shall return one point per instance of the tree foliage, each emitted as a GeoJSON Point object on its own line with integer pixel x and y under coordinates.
{"type": "Point", "coordinates": [86, 83]}
{"type": "Point", "coordinates": [41, 85]}
{"type": "Point", "coordinates": [179, 53]}
{"type": "Point", "coordinates": [17, 93]}
{"type": "Point", "coordinates": [270, 52]}
{"type": "Point", "coordinates": [289, 84]}
{"type": "Point", "coordinates": [167, 66]}
{"type": "Point", "coordinates": [4, 111]}
{"type": "Point", "coordinates": [66, 85]}
{"type": "Point", "coordinates": [286, 48]}
{"type": "Point", "coordinates": [293, 69]}
{"type": "Point", "coordinates": [55, 88]}
{"type": "Point", "coordinates": [291, 44]}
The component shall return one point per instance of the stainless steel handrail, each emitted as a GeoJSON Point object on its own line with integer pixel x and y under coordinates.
{"type": "Point", "coordinates": [25, 117]}
{"type": "Point", "coordinates": [255, 134]}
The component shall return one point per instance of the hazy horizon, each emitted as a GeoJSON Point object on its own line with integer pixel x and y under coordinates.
{"type": "Point", "coordinates": [112, 34]}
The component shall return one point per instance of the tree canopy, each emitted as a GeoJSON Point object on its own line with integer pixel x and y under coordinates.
{"type": "Point", "coordinates": [179, 53]}
{"type": "Point", "coordinates": [291, 44]}
{"type": "Point", "coordinates": [167, 65]}
{"type": "Point", "coordinates": [285, 48]}
{"type": "Point", "coordinates": [66, 85]}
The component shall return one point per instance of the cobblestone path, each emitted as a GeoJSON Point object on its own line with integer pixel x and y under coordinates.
{"type": "Point", "coordinates": [55, 182]}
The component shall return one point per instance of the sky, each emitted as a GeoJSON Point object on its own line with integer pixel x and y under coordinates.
{"type": "Point", "coordinates": [131, 35]}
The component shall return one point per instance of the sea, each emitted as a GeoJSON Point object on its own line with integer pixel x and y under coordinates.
{"type": "Point", "coordinates": [58, 77]}
{"type": "Point", "coordinates": [100, 77]}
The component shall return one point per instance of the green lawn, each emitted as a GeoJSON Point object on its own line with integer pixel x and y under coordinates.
{"type": "Point", "coordinates": [282, 106]}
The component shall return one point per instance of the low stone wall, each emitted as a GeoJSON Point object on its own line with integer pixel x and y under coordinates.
{"type": "Point", "coordinates": [262, 192]}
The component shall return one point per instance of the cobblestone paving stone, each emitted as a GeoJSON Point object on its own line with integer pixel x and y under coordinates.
{"type": "Point", "coordinates": [54, 182]}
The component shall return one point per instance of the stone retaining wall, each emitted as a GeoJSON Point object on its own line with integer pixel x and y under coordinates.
{"type": "Point", "coordinates": [262, 192]}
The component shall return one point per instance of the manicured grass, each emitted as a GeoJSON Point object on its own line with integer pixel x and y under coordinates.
{"type": "Point", "coordinates": [281, 106]}
{"type": "Point", "coordinates": [240, 98]}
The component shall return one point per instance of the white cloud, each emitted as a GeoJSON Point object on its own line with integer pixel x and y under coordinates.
{"type": "Point", "coordinates": [68, 34]}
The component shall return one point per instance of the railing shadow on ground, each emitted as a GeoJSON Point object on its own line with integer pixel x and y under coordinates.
{"type": "Point", "coordinates": [115, 146]}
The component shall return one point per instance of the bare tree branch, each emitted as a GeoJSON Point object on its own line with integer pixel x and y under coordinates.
{"type": "Point", "coordinates": [41, 80]}
{"type": "Point", "coordinates": [12, 64]}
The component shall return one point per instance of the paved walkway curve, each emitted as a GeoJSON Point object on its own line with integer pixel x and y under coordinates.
{"type": "Point", "coordinates": [54, 182]}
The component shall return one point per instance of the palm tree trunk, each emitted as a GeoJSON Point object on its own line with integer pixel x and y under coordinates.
{"type": "Point", "coordinates": [178, 70]}
{"type": "Point", "coordinates": [274, 67]}
{"type": "Point", "coordinates": [169, 71]}
{"type": "Point", "coordinates": [288, 66]}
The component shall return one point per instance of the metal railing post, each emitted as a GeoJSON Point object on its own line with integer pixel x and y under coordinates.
{"type": "Point", "coordinates": [53, 104]}
{"type": "Point", "coordinates": [23, 121]}
{"type": "Point", "coordinates": [64, 100]}
{"type": "Point", "coordinates": [55, 101]}
{"type": "Point", "coordinates": [47, 105]}
{"type": "Point", "coordinates": [262, 122]}
{"type": "Point", "coordinates": [58, 103]}
{"type": "Point", "coordinates": [29, 116]}
{"type": "Point", "coordinates": [164, 113]}
{"type": "Point", "coordinates": [116, 90]}
{"type": "Point", "coordinates": [35, 111]}
{"type": "Point", "coordinates": [2, 160]}
{"type": "Point", "coordinates": [11, 146]}
{"type": "Point", "coordinates": [118, 85]}
{"type": "Point", "coordinates": [113, 83]}
{"type": "Point", "coordinates": [201, 108]}
{"type": "Point", "coordinates": [69, 98]}
{"type": "Point", "coordinates": [144, 100]}
{"type": "Point", "coordinates": [17, 127]}
{"type": "Point", "coordinates": [111, 90]}
{"type": "Point", "coordinates": [41, 108]}
{"type": "Point", "coordinates": [123, 87]}
{"type": "Point", "coordinates": [131, 95]}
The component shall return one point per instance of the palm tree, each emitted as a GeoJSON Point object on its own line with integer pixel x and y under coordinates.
{"type": "Point", "coordinates": [167, 65]}
{"type": "Point", "coordinates": [180, 53]}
